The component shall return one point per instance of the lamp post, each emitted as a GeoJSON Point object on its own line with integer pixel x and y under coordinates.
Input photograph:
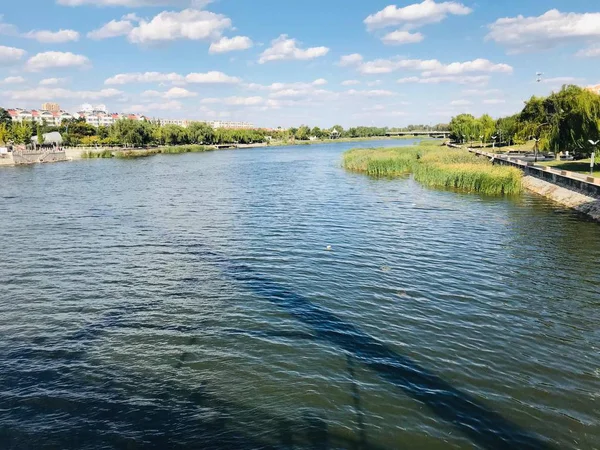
{"type": "Point", "coordinates": [481, 138]}
{"type": "Point", "coordinates": [494, 141]}
{"type": "Point", "coordinates": [594, 145]}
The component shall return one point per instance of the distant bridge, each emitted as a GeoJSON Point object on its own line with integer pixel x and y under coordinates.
{"type": "Point", "coordinates": [444, 134]}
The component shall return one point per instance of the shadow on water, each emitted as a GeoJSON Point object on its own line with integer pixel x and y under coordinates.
{"type": "Point", "coordinates": [483, 426]}
{"type": "Point", "coordinates": [39, 389]}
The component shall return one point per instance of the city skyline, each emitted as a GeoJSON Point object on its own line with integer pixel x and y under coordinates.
{"type": "Point", "coordinates": [318, 63]}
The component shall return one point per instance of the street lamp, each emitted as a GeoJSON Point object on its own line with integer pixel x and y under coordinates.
{"type": "Point", "coordinates": [494, 141]}
{"type": "Point", "coordinates": [594, 145]}
{"type": "Point", "coordinates": [481, 138]}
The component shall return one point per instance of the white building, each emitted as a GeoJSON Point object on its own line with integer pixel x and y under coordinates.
{"type": "Point", "coordinates": [231, 125]}
{"type": "Point", "coordinates": [53, 118]}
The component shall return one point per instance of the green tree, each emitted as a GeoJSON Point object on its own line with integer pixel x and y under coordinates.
{"type": "Point", "coordinates": [40, 134]}
{"type": "Point", "coordinates": [5, 117]}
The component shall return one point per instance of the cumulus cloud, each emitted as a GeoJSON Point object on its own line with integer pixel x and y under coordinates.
{"type": "Point", "coordinates": [461, 103]}
{"type": "Point", "coordinates": [146, 77]}
{"type": "Point", "coordinates": [52, 81]}
{"type": "Point", "coordinates": [10, 55]}
{"type": "Point", "coordinates": [173, 93]}
{"type": "Point", "coordinates": [173, 105]}
{"type": "Point", "coordinates": [114, 28]}
{"type": "Point", "coordinates": [13, 80]}
{"type": "Point", "coordinates": [350, 82]}
{"type": "Point", "coordinates": [371, 93]}
{"type": "Point", "coordinates": [132, 3]}
{"type": "Point", "coordinates": [235, 101]}
{"type": "Point", "coordinates": [56, 60]}
{"type": "Point", "coordinates": [211, 78]}
{"type": "Point", "coordinates": [415, 15]}
{"type": "Point", "coordinates": [351, 60]}
{"type": "Point", "coordinates": [58, 93]}
{"type": "Point", "coordinates": [226, 44]}
{"type": "Point", "coordinates": [284, 48]}
{"type": "Point", "coordinates": [590, 52]}
{"type": "Point", "coordinates": [494, 101]}
{"type": "Point", "coordinates": [53, 37]}
{"type": "Point", "coordinates": [193, 24]}
{"type": "Point", "coordinates": [433, 67]}
{"type": "Point", "coordinates": [400, 37]}
{"type": "Point", "coordinates": [551, 29]}
{"type": "Point", "coordinates": [458, 79]}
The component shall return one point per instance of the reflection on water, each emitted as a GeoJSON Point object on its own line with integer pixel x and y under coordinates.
{"type": "Point", "coordinates": [190, 302]}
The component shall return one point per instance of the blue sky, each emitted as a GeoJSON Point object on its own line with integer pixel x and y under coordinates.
{"type": "Point", "coordinates": [280, 63]}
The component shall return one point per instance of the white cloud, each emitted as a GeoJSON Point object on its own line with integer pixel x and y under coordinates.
{"type": "Point", "coordinates": [284, 48]}
{"type": "Point", "coordinates": [459, 79]}
{"type": "Point", "coordinates": [10, 55]}
{"type": "Point", "coordinates": [211, 78]}
{"type": "Point", "coordinates": [374, 83]}
{"type": "Point", "coordinates": [320, 82]}
{"type": "Point", "coordinates": [494, 101]}
{"type": "Point", "coordinates": [13, 80]}
{"type": "Point", "coordinates": [112, 29]}
{"type": "Point", "coordinates": [52, 81]}
{"type": "Point", "coordinates": [173, 105]}
{"type": "Point", "coordinates": [131, 3]}
{"type": "Point", "coordinates": [146, 77]}
{"type": "Point", "coordinates": [351, 60]}
{"type": "Point", "coordinates": [178, 92]}
{"type": "Point", "coordinates": [400, 37]}
{"type": "Point", "coordinates": [53, 37]}
{"type": "Point", "coordinates": [590, 52]}
{"type": "Point", "coordinates": [226, 44]}
{"type": "Point", "coordinates": [551, 29]}
{"type": "Point", "coordinates": [477, 65]}
{"type": "Point", "coordinates": [371, 93]}
{"type": "Point", "coordinates": [562, 80]}
{"type": "Point", "coordinates": [191, 24]}
{"type": "Point", "coordinates": [415, 15]}
{"type": "Point", "coordinates": [350, 82]}
{"type": "Point", "coordinates": [173, 93]}
{"type": "Point", "coordinates": [432, 67]}
{"type": "Point", "coordinates": [460, 103]}
{"type": "Point", "coordinates": [235, 101]}
{"type": "Point", "coordinates": [58, 93]}
{"type": "Point", "coordinates": [51, 60]}
{"type": "Point", "coordinates": [481, 92]}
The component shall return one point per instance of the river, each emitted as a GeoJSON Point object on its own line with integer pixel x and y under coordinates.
{"type": "Point", "coordinates": [190, 301]}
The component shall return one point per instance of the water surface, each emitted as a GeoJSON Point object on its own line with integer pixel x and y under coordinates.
{"type": "Point", "coordinates": [189, 301]}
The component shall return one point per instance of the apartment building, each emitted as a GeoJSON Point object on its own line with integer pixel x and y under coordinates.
{"type": "Point", "coordinates": [54, 118]}
{"type": "Point", "coordinates": [52, 107]}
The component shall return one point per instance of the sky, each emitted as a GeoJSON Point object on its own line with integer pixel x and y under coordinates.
{"type": "Point", "coordinates": [286, 63]}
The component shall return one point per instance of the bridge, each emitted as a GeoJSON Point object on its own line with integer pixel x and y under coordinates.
{"type": "Point", "coordinates": [444, 134]}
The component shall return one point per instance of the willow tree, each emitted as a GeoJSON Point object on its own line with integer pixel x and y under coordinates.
{"type": "Point", "coordinates": [565, 120]}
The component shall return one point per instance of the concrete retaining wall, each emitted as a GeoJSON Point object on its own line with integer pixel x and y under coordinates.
{"type": "Point", "coordinates": [38, 156]}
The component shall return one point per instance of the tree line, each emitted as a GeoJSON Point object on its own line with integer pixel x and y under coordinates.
{"type": "Point", "coordinates": [140, 133]}
{"type": "Point", "coordinates": [566, 120]}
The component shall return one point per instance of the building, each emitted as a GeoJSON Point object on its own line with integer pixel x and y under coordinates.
{"type": "Point", "coordinates": [231, 125]}
{"type": "Point", "coordinates": [53, 118]}
{"type": "Point", "coordinates": [52, 107]}
{"type": "Point", "coordinates": [594, 89]}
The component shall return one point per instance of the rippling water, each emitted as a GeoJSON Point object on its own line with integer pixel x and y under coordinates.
{"type": "Point", "coordinates": [189, 301]}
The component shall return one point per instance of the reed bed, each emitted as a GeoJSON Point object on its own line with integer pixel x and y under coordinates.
{"type": "Point", "coordinates": [99, 154]}
{"type": "Point", "coordinates": [438, 167]}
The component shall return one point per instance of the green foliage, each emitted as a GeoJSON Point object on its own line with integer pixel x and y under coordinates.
{"type": "Point", "coordinates": [444, 168]}
{"type": "Point", "coordinates": [4, 133]}
{"type": "Point", "coordinates": [22, 132]}
{"type": "Point", "coordinates": [564, 121]}
{"type": "Point", "coordinates": [5, 118]}
{"type": "Point", "coordinates": [40, 134]}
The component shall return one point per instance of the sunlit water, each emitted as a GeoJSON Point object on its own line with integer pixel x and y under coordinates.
{"type": "Point", "coordinates": [189, 301]}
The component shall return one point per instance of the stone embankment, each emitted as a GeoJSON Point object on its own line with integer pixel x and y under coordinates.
{"type": "Point", "coordinates": [571, 189]}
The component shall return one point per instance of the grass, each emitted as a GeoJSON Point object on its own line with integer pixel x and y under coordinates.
{"type": "Point", "coordinates": [581, 166]}
{"type": "Point", "coordinates": [437, 167]}
{"type": "Point", "coordinates": [99, 154]}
